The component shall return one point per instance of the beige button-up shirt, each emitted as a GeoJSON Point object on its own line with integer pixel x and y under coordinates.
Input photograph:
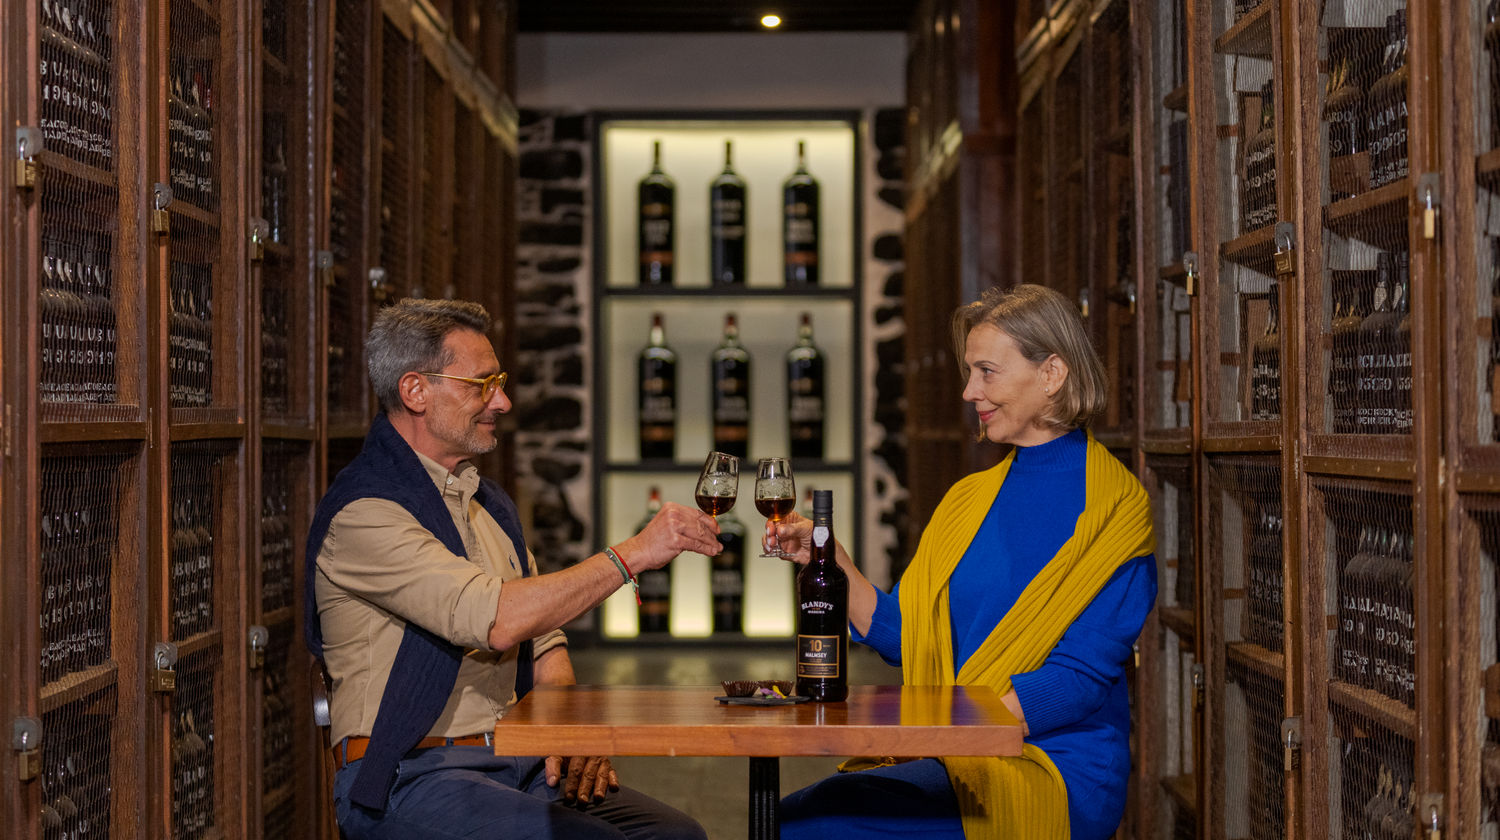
{"type": "Point", "coordinates": [378, 568]}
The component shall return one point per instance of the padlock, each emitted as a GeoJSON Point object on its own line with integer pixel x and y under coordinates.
{"type": "Point", "coordinates": [163, 679]}
{"type": "Point", "coordinates": [324, 263]}
{"type": "Point", "coordinates": [26, 174]}
{"type": "Point", "coordinates": [26, 739]}
{"type": "Point", "coordinates": [1083, 303]}
{"type": "Point", "coordinates": [258, 638]}
{"type": "Point", "coordinates": [161, 198]}
{"type": "Point", "coordinates": [259, 229]}
{"type": "Point", "coordinates": [1429, 221]}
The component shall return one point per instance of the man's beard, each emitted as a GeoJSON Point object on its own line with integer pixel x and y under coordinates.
{"type": "Point", "coordinates": [465, 435]}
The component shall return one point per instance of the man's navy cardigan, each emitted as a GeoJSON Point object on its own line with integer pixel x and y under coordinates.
{"type": "Point", "coordinates": [426, 664]}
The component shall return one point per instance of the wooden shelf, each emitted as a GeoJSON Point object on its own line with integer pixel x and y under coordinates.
{"type": "Point", "coordinates": [1115, 438]}
{"type": "Point", "coordinates": [1376, 216]}
{"type": "Point", "coordinates": [203, 6]}
{"type": "Point", "coordinates": [1178, 620]}
{"type": "Point", "coordinates": [1117, 142]}
{"type": "Point", "coordinates": [1174, 273]}
{"type": "Point", "coordinates": [1177, 100]}
{"type": "Point", "coordinates": [279, 250]}
{"type": "Point", "coordinates": [1183, 790]}
{"type": "Point", "coordinates": [59, 162]}
{"type": "Point", "coordinates": [342, 428]}
{"type": "Point", "coordinates": [204, 431]}
{"type": "Point", "coordinates": [1487, 168]}
{"type": "Point", "coordinates": [78, 429]}
{"type": "Point", "coordinates": [1468, 480]}
{"type": "Point", "coordinates": [1251, 36]}
{"type": "Point", "coordinates": [189, 210]}
{"type": "Point", "coordinates": [340, 111]}
{"type": "Point", "coordinates": [77, 685]}
{"type": "Point", "coordinates": [1255, 250]}
{"type": "Point", "coordinates": [197, 643]}
{"type": "Point", "coordinates": [1373, 706]}
{"type": "Point", "coordinates": [278, 616]}
{"type": "Point", "coordinates": [1246, 440]}
{"type": "Point", "coordinates": [1167, 442]}
{"type": "Point", "coordinates": [1390, 469]}
{"type": "Point", "coordinates": [287, 431]}
{"type": "Point", "coordinates": [1255, 658]}
{"type": "Point", "coordinates": [819, 292]}
{"type": "Point", "coordinates": [275, 64]}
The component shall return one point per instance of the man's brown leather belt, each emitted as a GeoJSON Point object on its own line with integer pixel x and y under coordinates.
{"type": "Point", "coordinates": [353, 748]}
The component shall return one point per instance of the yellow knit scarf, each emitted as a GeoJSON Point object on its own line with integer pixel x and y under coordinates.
{"type": "Point", "coordinates": [1025, 796]}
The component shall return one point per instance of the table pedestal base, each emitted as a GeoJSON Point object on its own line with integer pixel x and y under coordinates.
{"type": "Point", "coordinates": [765, 798]}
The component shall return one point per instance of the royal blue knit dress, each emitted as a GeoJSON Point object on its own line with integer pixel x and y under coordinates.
{"type": "Point", "coordinates": [1076, 703]}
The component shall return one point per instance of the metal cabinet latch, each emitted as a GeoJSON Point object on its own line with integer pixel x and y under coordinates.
{"type": "Point", "coordinates": [1190, 270]}
{"type": "Point", "coordinates": [1286, 246]}
{"type": "Point", "coordinates": [260, 231]}
{"type": "Point", "coordinates": [1199, 686]}
{"type": "Point", "coordinates": [323, 263]}
{"type": "Point", "coordinates": [1291, 743]}
{"type": "Point", "coordinates": [1429, 194]}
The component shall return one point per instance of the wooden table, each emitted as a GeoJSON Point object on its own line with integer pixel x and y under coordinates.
{"type": "Point", "coordinates": [685, 720]}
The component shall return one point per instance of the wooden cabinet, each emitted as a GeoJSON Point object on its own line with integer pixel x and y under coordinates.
{"type": "Point", "coordinates": [1311, 190]}
{"type": "Point", "coordinates": [198, 195]}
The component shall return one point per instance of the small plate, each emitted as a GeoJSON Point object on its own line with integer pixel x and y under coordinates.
{"type": "Point", "coordinates": [762, 701]}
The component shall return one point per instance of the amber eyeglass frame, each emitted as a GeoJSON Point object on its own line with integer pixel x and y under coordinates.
{"type": "Point", "coordinates": [488, 385]}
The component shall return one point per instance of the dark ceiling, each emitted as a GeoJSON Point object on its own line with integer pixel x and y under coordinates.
{"type": "Point", "coordinates": [713, 15]}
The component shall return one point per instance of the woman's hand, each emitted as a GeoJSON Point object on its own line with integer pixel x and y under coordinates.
{"type": "Point", "coordinates": [793, 534]}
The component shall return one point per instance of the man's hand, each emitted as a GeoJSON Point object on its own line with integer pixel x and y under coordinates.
{"type": "Point", "coordinates": [585, 780]}
{"type": "Point", "coordinates": [673, 530]}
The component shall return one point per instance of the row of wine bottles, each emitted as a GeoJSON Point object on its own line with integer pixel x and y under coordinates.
{"type": "Point", "coordinates": [730, 394]}
{"type": "Point", "coordinates": [728, 214]}
{"type": "Point", "coordinates": [1365, 109]}
{"type": "Point", "coordinates": [194, 803]}
{"type": "Point", "coordinates": [76, 770]}
{"type": "Point", "coordinates": [1375, 641]}
{"type": "Point", "coordinates": [76, 82]}
{"type": "Point", "coordinates": [79, 525]}
{"type": "Point", "coordinates": [77, 310]}
{"type": "Point", "coordinates": [190, 327]}
{"type": "Point", "coordinates": [1370, 379]}
{"type": "Point", "coordinates": [191, 583]}
{"type": "Point", "coordinates": [1263, 622]}
{"type": "Point", "coordinates": [190, 130]}
{"type": "Point", "coordinates": [1377, 791]}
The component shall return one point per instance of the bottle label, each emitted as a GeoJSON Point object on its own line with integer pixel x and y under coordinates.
{"type": "Point", "coordinates": [820, 535]}
{"type": "Point", "coordinates": [726, 583]}
{"type": "Point", "coordinates": [818, 657]}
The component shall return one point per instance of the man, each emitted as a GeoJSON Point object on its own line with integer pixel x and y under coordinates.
{"type": "Point", "coordinates": [432, 620]}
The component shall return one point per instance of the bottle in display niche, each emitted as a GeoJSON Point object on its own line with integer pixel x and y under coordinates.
{"type": "Point", "coordinates": [657, 394]}
{"type": "Point", "coordinates": [730, 371]}
{"type": "Point", "coordinates": [1373, 414]}
{"type": "Point", "coordinates": [75, 77]}
{"type": "Point", "coordinates": [805, 405]}
{"type": "Point", "coordinates": [727, 578]}
{"type": "Point", "coordinates": [1492, 49]}
{"type": "Point", "coordinates": [726, 225]}
{"type": "Point", "coordinates": [799, 224]}
{"type": "Point", "coordinates": [1342, 108]}
{"type": "Point", "coordinates": [656, 197]}
{"type": "Point", "coordinates": [822, 613]}
{"type": "Point", "coordinates": [1265, 366]}
{"type": "Point", "coordinates": [1259, 198]}
{"type": "Point", "coordinates": [655, 584]}
{"type": "Point", "coordinates": [1386, 107]}
{"type": "Point", "coordinates": [1343, 384]}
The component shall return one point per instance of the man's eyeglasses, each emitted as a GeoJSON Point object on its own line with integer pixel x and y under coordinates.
{"type": "Point", "coordinates": [487, 386]}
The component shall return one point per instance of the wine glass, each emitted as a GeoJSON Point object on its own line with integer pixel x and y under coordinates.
{"type": "Point", "coordinates": [775, 495]}
{"type": "Point", "coordinates": [718, 483]}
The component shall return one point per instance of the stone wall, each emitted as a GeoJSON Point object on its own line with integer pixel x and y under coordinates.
{"type": "Point", "coordinates": [555, 294]}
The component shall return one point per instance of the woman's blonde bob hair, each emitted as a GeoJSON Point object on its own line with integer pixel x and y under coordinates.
{"type": "Point", "coordinates": [1043, 323]}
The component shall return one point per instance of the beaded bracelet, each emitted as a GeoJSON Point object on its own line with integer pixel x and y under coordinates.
{"type": "Point", "coordinates": [624, 572]}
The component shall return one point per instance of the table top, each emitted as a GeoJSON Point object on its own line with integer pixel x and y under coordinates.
{"type": "Point", "coordinates": [686, 720]}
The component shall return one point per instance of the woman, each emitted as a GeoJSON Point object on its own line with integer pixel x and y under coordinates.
{"type": "Point", "coordinates": [1032, 577]}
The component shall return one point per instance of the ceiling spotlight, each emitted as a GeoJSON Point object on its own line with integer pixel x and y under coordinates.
{"type": "Point", "coordinates": [770, 21]}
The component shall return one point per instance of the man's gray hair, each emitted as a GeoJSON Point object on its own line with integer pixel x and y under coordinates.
{"type": "Point", "coordinates": [409, 335]}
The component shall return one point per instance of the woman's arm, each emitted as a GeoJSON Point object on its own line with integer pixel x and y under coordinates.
{"type": "Point", "coordinates": [794, 535]}
{"type": "Point", "coordinates": [1075, 680]}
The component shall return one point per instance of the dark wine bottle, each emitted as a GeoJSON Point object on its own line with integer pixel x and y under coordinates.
{"type": "Point", "coordinates": [655, 584]}
{"type": "Point", "coordinates": [1265, 366]}
{"type": "Point", "coordinates": [726, 225]}
{"type": "Point", "coordinates": [1401, 370]}
{"type": "Point", "coordinates": [822, 613]}
{"type": "Point", "coordinates": [799, 224]}
{"type": "Point", "coordinates": [1343, 382]}
{"type": "Point", "coordinates": [727, 577]}
{"type": "Point", "coordinates": [1353, 656]}
{"type": "Point", "coordinates": [1492, 48]}
{"type": "Point", "coordinates": [1373, 415]}
{"type": "Point", "coordinates": [730, 371]}
{"type": "Point", "coordinates": [656, 198]}
{"type": "Point", "coordinates": [1259, 196]}
{"type": "Point", "coordinates": [1342, 110]}
{"type": "Point", "coordinates": [805, 397]}
{"type": "Point", "coordinates": [657, 394]}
